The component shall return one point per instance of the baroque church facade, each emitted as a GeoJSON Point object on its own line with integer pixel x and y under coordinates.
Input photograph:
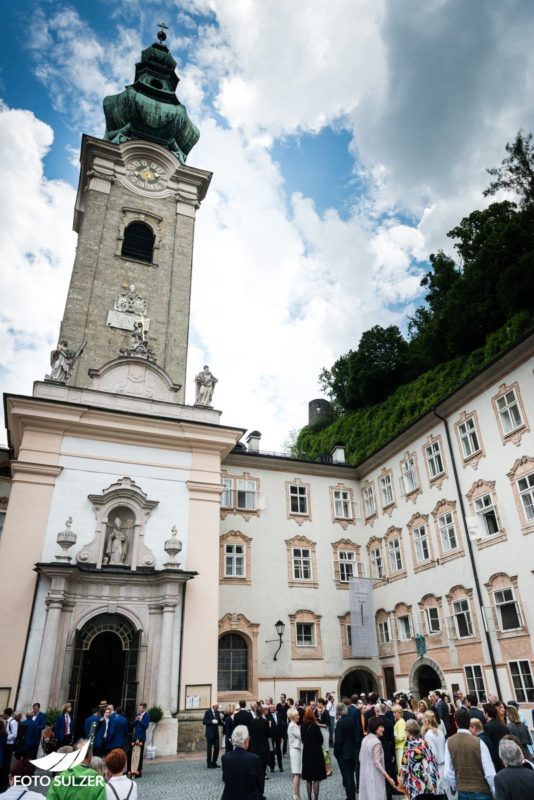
{"type": "Point", "coordinates": [147, 552]}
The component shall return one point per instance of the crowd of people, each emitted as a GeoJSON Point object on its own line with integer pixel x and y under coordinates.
{"type": "Point", "coordinates": [114, 757]}
{"type": "Point", "coordinates": [431, 748]}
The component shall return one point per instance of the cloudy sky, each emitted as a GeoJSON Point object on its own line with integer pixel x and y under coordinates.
{"type": "Point", "coordinates": [346, 138]}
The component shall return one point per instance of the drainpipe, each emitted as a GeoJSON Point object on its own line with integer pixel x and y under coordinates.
{"type": "Point", "coordinates": [471, 553]}
{"type": "Point", "coordinates": [181, 647]}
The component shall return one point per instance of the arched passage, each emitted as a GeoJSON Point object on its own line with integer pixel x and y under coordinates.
{"type": "Point", "coordinates": [356, 681]}
{"type": "Point", "coordinates": [425, 676]}
{"type": "Point", "coordinates": [104, 666]}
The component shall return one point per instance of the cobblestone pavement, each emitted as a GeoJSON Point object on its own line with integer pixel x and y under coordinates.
{"type": "Point", "coordinates": [189, 779]}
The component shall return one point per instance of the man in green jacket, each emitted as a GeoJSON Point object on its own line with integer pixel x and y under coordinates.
{"type": "Point", "coordinates": [78, 783]}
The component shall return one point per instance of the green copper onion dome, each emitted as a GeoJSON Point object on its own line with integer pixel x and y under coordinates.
{"type": "Point", "coordinates": [149, 109]}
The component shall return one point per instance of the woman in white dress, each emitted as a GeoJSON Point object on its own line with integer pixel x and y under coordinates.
{"type": "Point", "coordinates": [294, 742]}
{"type": "Point", "coordinates": [435, 739]}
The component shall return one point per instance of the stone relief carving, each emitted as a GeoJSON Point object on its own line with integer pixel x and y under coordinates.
{"type": "Point", "coordinates": [139, 347]}
{"type": "Point", "coordinates": [129, 302]}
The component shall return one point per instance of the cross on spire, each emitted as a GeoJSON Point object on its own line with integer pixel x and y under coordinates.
{"type": "Point", "coordinates": [161, 33]}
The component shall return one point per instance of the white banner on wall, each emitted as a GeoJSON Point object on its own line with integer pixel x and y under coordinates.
{"type": "Point", "coordinates": [362, 618]}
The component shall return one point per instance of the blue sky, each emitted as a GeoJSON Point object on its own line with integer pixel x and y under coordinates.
{"type": "Point", "coordinates": [345, 139]}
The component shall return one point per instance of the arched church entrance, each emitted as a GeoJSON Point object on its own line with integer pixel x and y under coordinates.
{"type": "Point", "coordinates": [356, 681]}
{"type": "Point", "coordinates": [104, 666]}
{"type": "Point", "coordinates": [425, 676]}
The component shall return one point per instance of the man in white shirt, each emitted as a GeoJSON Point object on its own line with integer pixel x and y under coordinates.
{"type": "Point", "coordinates": [468, 765]}
{"type": "Point", "coordinates": [331, 708]}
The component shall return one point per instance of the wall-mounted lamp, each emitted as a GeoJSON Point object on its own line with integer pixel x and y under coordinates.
{"type": "Point", "coordinates": [279, 628]}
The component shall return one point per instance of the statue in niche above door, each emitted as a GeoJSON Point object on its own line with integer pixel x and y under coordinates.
{"type": "Point", "coordinates": [116, 552]}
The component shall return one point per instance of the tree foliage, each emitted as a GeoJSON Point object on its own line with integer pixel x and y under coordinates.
{"type": "Point", "coordinates": [516, 174]}
{"type": "Point", "coordinates": [465, 299]}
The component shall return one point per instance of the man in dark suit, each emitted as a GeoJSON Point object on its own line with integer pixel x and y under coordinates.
{"type": "Point", "coordinates": [137, 747]}
{"type": "Point", "coordinates": [442, 710]}
{"type": "Point", "coordinates": [241, 771]}
{"type": "Point", "coordinates": [276, 735]}
{"type": "Point", "coordinates": [354, 712]}
{"type": "Point", "coordinates": [495, 731]}
{"type": "Point", "coordinates": [91, 723]}
{"type": "Point", "coordinates": [259, 741]}
{"type": "Point", "coordinates": [118, 732]}
{"type": "Point", "coordinates": [345, 749]}
{"type": "Point", "coordinates": [243, 717]}
{"type": "Point", "coordinates": [39, 717]}
{"type": "Point", "coordinates": [213, 721]}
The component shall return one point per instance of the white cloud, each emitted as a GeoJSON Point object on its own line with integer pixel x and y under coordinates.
{"type": "Point", "coordinates": [430, 92]}
{"type": "Point", "coordinates": [37, 250]}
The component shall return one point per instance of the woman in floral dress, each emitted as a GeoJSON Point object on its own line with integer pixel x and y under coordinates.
{"type": "Point", "coordinates": [419, 771]}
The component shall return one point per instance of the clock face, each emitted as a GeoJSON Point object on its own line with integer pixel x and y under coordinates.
{"type": "Point", "coordinates": [145, 174]}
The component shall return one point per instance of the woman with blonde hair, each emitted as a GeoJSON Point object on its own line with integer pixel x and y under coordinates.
{"type": "Point", "coordinates": [519, 729]}
{"type": "Point", "coordinates": [228, 727]}
{"type": "Point", "coordinates": [399, 731]}
{"type": "Point", "coordinates": [294, 743]}
{"type": "Point", "coordinates": [435, 739]}
{"type": "Point", "coordinates": [422, 707]}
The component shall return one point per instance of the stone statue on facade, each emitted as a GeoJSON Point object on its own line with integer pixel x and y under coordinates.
{"type": "Point", "coordinates": [205, 384]}
{"type": "Point", "coordinates": [62, 361]}
{"type": "Point", "coordinates": [139, 346]}
{"type": "Point", "coordinates": [117, 545]}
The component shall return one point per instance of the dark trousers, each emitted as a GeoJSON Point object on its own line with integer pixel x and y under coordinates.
{"type": "Point", "coordinates": [212, 752]}
{"type": "Point", "coordinates": [357, 765]}
{"type": "Point", "coordinates": [6, 764]}
{"type": "Point", "coordinates": [284, 743]}
{"type": "Point", "coordinates": [347, 767]}
{"type": "Point", "coordinates": [276, 751]}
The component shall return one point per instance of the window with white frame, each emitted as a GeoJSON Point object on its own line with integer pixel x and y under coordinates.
{"type": "Point", "coordinates": [526, 493]}
{"type": "Point", "coordinates": [434, 460]}
{"type": "Point", "coordinates": [227, 495]}
{"type": "Point", "coordinates": [509, 412]}
{"type": "Point", "coordinates": [409, 476]}
{"type": "Point", "coordinates": [395, 556]}
{"type": "Point", "coordinates": [305, 634]}
{"type": "Point", "coordinates": [347, 560]}
{"type": "Point", "coordinates": [462, 618]}
{"type": "Point", "coordinates": [239, 493]}
{"type": "Point", "coordinates": [404, 625]}
{"type": "Point", "coordinates": [377, 564]}
{"type": "Point", "coordinates": [421, 545]}
{"type": "Point", "coordinates": [432, 620]}
{"type": "Point", "coordinates": [342, 504]}
{"type": "Point", "coordinates": [447, 532]}
{"type": "Point", "coordinates": [487, 513]}
{"type": "Point", "coordinates": [507, 607]}
{"type": "Point", "coordinates": [369, 501]}
{"type": "Point", "coordinates": [468, 433]}
{"type": "Point", "coordinates": [384, 633]}
{"type": "Point", "coordinates": [386, 489]}
{"type": "Point", "coordinates": [522, 681]}
{"type": "Point", "coordinates": [475, 682]}
{"type": "Point", "coordinates": [234, 561]}
{"type": "Point", "coordinates": [302, 564]}
{"type": "Point", "coordinates": [298, 499]}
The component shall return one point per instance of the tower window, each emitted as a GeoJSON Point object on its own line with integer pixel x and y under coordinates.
{"type": "Point", "coordinates": [138, 242]}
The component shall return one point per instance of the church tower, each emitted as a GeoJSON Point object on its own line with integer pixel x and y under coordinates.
{"type": "Point", "coordinates": [135, 216]}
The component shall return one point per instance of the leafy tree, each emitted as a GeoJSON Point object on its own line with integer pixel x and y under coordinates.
{"type": "Point", "coordinates": [517, 171]}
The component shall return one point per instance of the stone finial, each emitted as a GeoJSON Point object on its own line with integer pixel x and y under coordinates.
{"type": "Point", "coordinates": [66, 539]}
{"type": "Point", "coordinates": [205, 384]}
{"type": "Point", "coordinates": [62, 361]}
{"type": "Point", "coordinates": [173, 546]}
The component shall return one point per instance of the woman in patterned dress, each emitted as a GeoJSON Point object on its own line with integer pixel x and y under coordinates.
{"type": "Point", "coordinates": [419, 771]}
